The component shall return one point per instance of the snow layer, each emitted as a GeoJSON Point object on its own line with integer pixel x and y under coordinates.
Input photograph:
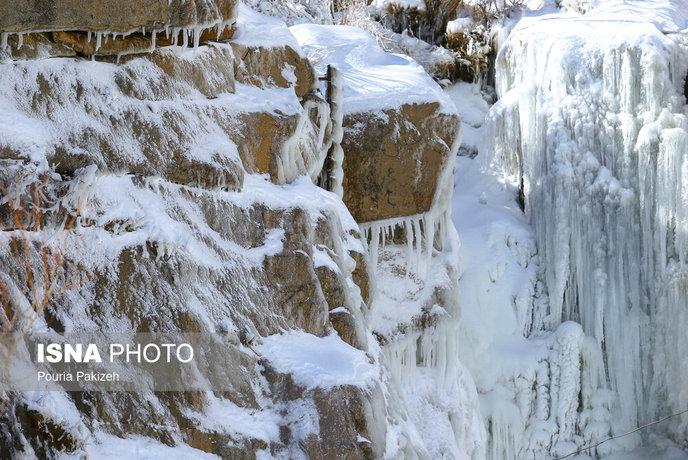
{"type": "Point", "coordinates": [383, 4]}
{"type": "Point", "coordinates": [373, 79]}
{"type": "Point", "coordinates": [669, 16]}
{"type": "Point", "coordinates": [318, 362]}
{"type": "Point", "coordinates": [256, 29]}
{"type": "Point", "coordinates": [110, 447]}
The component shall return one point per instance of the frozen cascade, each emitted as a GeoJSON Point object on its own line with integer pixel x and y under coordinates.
{"type": "Point", "coordinates": [438, 393]}
{"type": "Point", "coordinates": [413, 230]}
{"type": "Point", "coordinates": [554, 406]}
{"type": "Point", "coordinates": [601, 138]}
{"type": "Point", "coordinates": [428, 382]}
{"type": "Point", "coordinates": [414, 258]}
{"type": "Point", "coordinates": [296, 155]}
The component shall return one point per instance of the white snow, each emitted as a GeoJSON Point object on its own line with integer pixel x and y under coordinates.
{"type": "Point", "coordinates": [318, 362]}
{"type": "Point", "coordinates": [529, 379]}
{"type": "Point", "coordinates": [669, 16]}
{"type": "Point", "coordinates": [373, 79]}
{"type": "Point", "coordinates": [224, 416]}
{"type": "Point", "coordinates": [384, 4]}
{"type": "Point", "coordinates": [256, 29]}
{"type": "Point", "coordinates": [107, 447]}
{"type": "Point", "coordinates": [460, 25]}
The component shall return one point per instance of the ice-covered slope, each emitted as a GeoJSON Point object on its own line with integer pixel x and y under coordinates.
{"type": "Point", "coordinates": [592, 120]}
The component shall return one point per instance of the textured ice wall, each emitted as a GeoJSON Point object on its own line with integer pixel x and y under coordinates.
{"type": "Point", "coordinates": [592, 119]}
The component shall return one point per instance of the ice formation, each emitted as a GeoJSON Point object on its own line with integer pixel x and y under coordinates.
{"type": "Point", "coordinates": [592, 123]}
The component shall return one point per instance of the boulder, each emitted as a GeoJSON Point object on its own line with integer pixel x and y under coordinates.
{"type": "Point", "coordinates": [393, 160]}
{"type": "Point", "coordinates": [349, 423]}
{"type": "Point", "coordinates": [269, 55]}
{"type": "Point", "coordinates": [280, 66]}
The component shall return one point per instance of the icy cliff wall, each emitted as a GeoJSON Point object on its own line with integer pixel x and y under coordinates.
{"type": "Point", "coordinates": [400, 135]}
{"type": "Point", "coordinates": [168, 185]}
{"type": "Point", "coordinates": [592, 121]}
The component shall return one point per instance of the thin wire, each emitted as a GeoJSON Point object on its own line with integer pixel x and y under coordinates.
{"type": "Point", "coordinates": [621, 435]}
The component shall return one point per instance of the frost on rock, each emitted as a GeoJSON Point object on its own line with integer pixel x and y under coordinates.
{"type": "Point", "coordinates": [386, 103]}
{"type": "Point", "coordinates": [592, 123]}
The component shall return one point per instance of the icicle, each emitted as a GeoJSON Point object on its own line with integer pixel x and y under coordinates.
{"type": "Point", "coordinates": [374, 245]}
{"type": "Point", "coordinates": [408, 227]}
{"type": "Point", "coordinates": [196, 36]}
{"type": "Point", "coordinates": [20, 40]}
{"type": "Point", "coordinates": [185, 35]}
{"type": "Point", "coordinates": [337, 119]}
{"type": "Point", "coordinates": [3, 41]}
{"type": "Point", "coordinates": [418, 246]}
{"type": "Point", "coordinates": [99, 37]}
{"type": "Point", "coordinates": [429, 225]}
{"type": "Point", "coordinates": [88, 36]}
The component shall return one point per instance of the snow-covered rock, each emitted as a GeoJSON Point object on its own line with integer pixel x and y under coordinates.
{"type": "Point", "coordinates": [174, 191]}
{"type": "Point", "coordinates": [400, 129]}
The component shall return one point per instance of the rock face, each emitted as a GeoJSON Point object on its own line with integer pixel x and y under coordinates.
{"type": "Point", "coordinates": [393, 160]}
{"type": "Point", "coordinates": [110, 16]}
{"type": "Point", "coordinates": [174, 191]}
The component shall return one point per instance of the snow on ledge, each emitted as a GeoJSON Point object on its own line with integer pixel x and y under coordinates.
{"type": "Point", "coordinates": [668, 16]}
{"type": "Point", "coordinates": [408, 4]}
{"type": "Point", "coordinates": [318, 362]}
{"type": "Point", "coordinates": [373, 79]}
{"type": "Point", "coordinates": [255, 29]}
{"type": "Point", "coordinates": [107, 446]}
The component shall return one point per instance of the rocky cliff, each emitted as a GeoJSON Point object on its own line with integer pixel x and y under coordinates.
{"type": "Point", "coordinates": [159, 171]}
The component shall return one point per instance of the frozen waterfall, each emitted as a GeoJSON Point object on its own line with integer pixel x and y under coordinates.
{"type": "Point", "coordinates": [592, 122]}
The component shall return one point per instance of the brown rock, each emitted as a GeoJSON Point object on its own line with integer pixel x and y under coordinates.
{"type": "Point", "coordinates": [134, 130]}
{"type": "Point", "coordinates": [392, 163]}
{"type": "Point", "coordinates": [261, 137]}
{"type": "Point", "coordinates": [291, 274]}
{"type": "Point", "coordinates": [361, 276]}
{"type": "Point", "coordinates": [347, 424]}
{"type": "Point", "coordinates": [332, 286]}
{"type": "Point", "coordinates": [210, 72]}
{"type": "Point", "coordinates": [80, 43]}
{"type": "Point", "coordinates": [46, 436]}
{"type": "Point", "coordinates": [345, 324]}
{"type": "Point", "coordinates": [119, 46]}
{"type": "Point", "coordinates": [36, 46]}
{"type": "Point", "coordinates": [122, 16]}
